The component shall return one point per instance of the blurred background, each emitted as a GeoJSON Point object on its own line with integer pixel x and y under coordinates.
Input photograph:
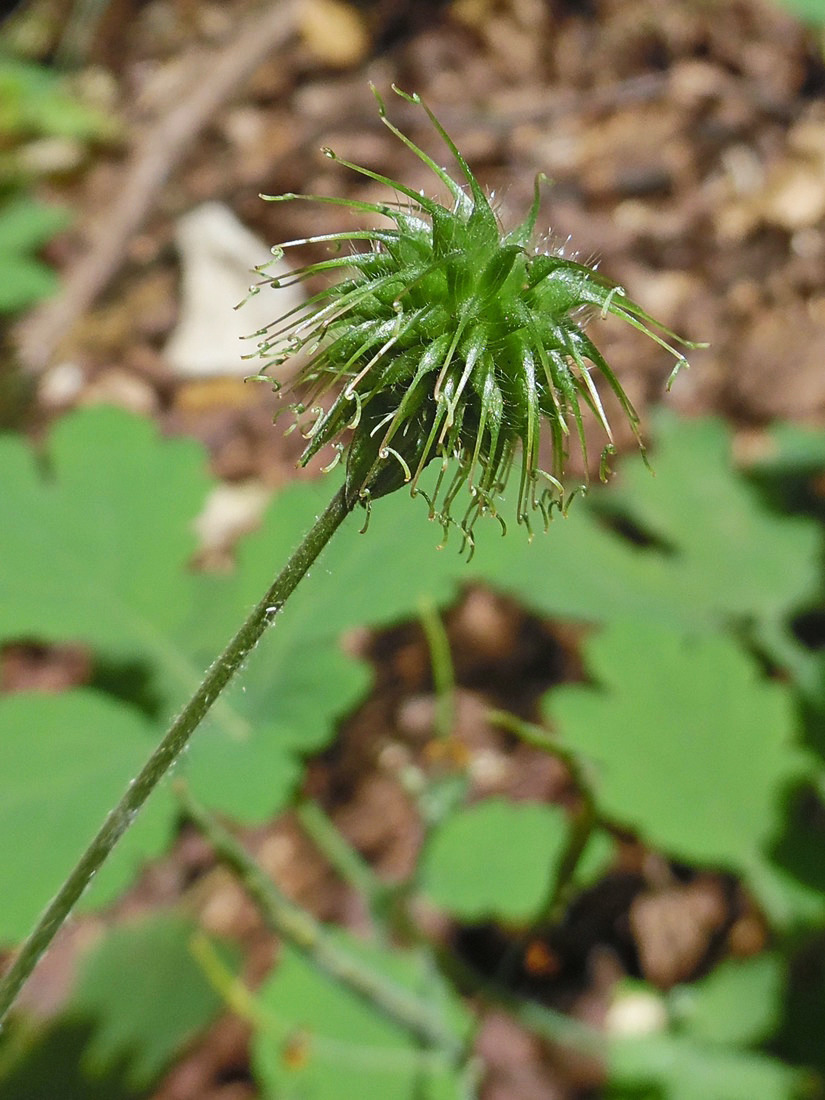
{"type": "Point", "coordinates": [684, 141]}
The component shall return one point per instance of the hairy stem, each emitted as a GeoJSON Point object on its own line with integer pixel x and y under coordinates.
{"type": "Point", "coordinates": [174, 741]}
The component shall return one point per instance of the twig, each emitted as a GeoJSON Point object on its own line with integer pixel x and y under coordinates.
{"type": "Point", "coordinates": [304, 932]}
{"type": "Point", "coordinates": [584, 821]}
{"type": "Point", "coordinates": [345, 860]}
{"type": "Point", "coordinates": [442, 665]}
{"type": "Point", "coordinates": [155, 155]}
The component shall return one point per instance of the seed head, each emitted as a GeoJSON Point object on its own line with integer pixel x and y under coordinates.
{"type": "Point", "coordinates": [450, 341]}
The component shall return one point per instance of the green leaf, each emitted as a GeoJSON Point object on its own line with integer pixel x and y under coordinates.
{"type": "Point", "coordinates": [319, 1039]}
{"type": "Point", "coordinates": [793, 449]}
{"type": "Point", "coordinates": [685, 1069]}
{"type": "Point", "coordinates": [732, 558]}
{"type": "Point", "coordinates": [495, 860]}
{"type": "Point", "coordinates": [64, 760]}
{"type": "Point", "coordinates": [24, 282]}
{"type": "Point", "coordinates": [810, 10]}
{"type": "Point", "coordinates": [686, 744]}
{"type": "Point", "coordinates": [747, 563]}
{"type": "Point", "coordinates": [121, 505]}
{"type": "Point", "coordinates": [33, 103]}
{"type": "Point", "coordinates": [739, 1003]}
{"type": "Point", "coordinates": [26, 225]}
{"type": "Point", "coordinates": [98, 552]}
{"type": "Point", "coordinates": [147, 994]}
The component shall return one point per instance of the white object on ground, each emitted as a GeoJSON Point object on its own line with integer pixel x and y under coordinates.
{"type": "Point", "coordinates": [218, 254]}
{"type": "Point", "coordinates": [231, 510]}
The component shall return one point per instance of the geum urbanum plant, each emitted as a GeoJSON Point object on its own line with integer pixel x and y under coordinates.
{"type": "Point", "coordinates": [449, 341]}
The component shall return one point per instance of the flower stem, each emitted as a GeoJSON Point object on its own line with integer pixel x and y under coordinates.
{"type": "Point", "coordinates": [174, 741]}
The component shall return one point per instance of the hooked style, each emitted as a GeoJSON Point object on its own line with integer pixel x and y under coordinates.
{"type": "Point", "coordinates": [452, 341]}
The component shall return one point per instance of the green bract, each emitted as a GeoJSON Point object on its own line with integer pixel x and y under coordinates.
{"type": "Point", "coordinates": [448, 340]}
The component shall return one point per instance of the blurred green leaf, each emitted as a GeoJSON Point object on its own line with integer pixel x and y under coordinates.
{"type": "Point", "coordinates": [24, 226]}
{"type": "Point", "coordinates": [64, 761]}
{"type": "Point", "coordinates": [794, 448]}
{"type": "Point", "coordinates": [34, 102]}
{"type": "Point", "coordinates": [319, 1039]}
{"type": "Point", "coordinates": [495, 860]}
{"type": "Point", "coordinates": [738, 1003]}
{"type": "Point", "coordinates": [97, 552]}
{"type": "Point", "coordinates": [812, 11]}
{"type": "Point", "coordinates": [726, 558]}
{"type": "Point", "coordinates": [719, 556]}
{"type": "Point", "coordinates": [23, 282]}
{"type": "Point", "coordinates": [147, 995]}
{"type": "Point", "coordinates": [678, 1068]}
{"type": "Point", "coordinates": [684, 742]}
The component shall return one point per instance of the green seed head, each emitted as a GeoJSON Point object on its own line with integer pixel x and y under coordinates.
{"type": "Point", "coordinates": [449, 341]}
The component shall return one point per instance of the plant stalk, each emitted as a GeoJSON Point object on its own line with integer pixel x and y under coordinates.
{"type": "Point", "coordinates": [174, 741]}
{"type": "Point", "coordinates": [348, 863]}
{"type": "Point", "coordinates": [299, 928]}
{"type": "Point", "coordinates": [584, 821]}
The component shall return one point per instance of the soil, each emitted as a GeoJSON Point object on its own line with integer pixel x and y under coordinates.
{"type": "Point", "coordinates": [685, 142]}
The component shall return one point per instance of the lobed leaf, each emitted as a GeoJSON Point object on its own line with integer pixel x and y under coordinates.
{"type": "Point", "coordinates": [495, 860]}
{"type": "Point", "coordinates": [147, 995]}
{"type": "Point", "coordinates": [739, 1002]}
{"type": "Point", "coordinates": [687, 745]}
{"type": "Point", "coordinates": [64, 761]}
{"type": "Point", "coordinates": [319, 1039]}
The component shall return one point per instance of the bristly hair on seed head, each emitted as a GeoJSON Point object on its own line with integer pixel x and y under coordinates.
{"type": "Point", "coordinates": [448, 340]}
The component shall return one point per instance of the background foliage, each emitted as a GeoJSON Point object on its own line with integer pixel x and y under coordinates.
{"type": "Point", "coordinates": [696, 598]}
{"type": "Point", "coordinates": [35, 108]}
{"type": "Point", "coordinates": [696, 730]}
